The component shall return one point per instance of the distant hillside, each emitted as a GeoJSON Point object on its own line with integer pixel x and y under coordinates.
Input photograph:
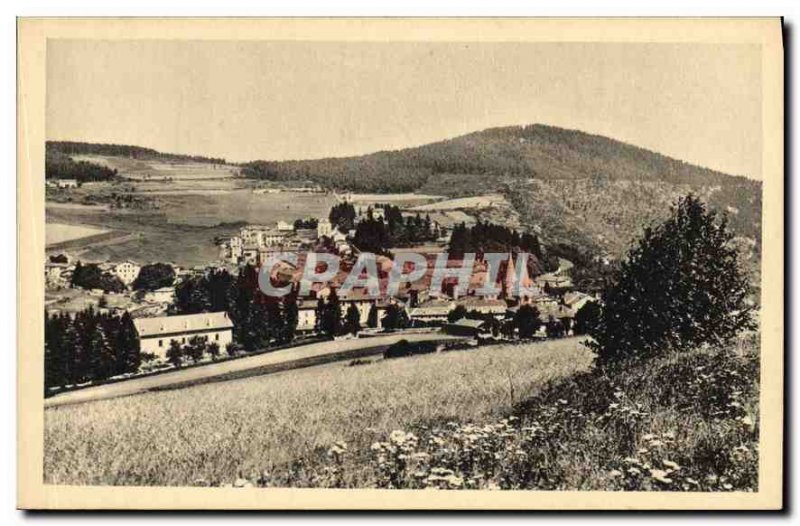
{"type": "Point", "coordinates": [576, 190]}
{"type": "Point", "coordinates": [122, 150]}
{"type": "Point", "coordinates": [536, 151]}
{"type": "Point", "coordinates": [572, 187]}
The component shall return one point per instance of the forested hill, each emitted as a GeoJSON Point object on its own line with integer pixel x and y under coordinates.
{"type": "Point", "coordinates": [70, 148]}
{"type": "Point", "coordinates": [535, 151]}
{"type": "Point", "coordinates": [571, 187]}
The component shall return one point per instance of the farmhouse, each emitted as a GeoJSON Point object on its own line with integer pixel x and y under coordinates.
{"type": "Point", "coordinates": [155, 334]}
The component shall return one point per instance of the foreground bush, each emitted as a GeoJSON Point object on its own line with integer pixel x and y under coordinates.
{"type": "Point", "coordinates": [680, 287]}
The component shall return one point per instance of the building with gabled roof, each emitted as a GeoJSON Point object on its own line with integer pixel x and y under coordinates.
{"type": "Point", "coordinates": [155, 334]}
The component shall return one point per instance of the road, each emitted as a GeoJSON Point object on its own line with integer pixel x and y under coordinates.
{"type": "Point", "coordinates": [294, 358]}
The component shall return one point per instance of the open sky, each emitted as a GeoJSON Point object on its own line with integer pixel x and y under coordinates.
{"type": "Point", "coordinates": [251, 100]}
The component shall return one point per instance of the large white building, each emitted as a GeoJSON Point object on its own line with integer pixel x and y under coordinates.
{"type": "Point", "coordinates": [155, 334]}
{"type": "Point", "coordinates": [127, 271]}
{"type": "Point", "coordinates": [324, 228]}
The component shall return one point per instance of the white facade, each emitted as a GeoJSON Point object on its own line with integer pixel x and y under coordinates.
{"type": "Point", "coordinates": [324, 228]}
{"type": "Point", "coordinates": [156, 334]}
{"type": "Point", "coordinates": [127, 272]}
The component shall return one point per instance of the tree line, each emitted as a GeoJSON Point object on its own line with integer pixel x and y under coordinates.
{"type": "Point", "coordinates": [123, 150]}
{"type": "Point", "coordinates": [88, 347]}
{"type": "Point", "coordinates": [259, 320]}
{"type": "Point", "coordinates": [490, 237]}
{"type": "Point", "coordinates": [379, 234]}
{"type": "Point", "coordinates": [332, 319]}
{"type": "Point", "coordinates": [151, 277]}
{"type": "Point", "coordinates": [60, 166]}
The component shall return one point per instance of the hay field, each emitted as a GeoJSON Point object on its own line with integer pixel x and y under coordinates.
{"type": "Point", "coordinates": [55, 233]}
{"type": "Point", "coordinates": [152, 168]}
{"type": "Point", "coordinates": [217, 432]}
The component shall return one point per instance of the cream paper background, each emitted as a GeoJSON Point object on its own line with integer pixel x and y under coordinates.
{"type": "Point", "coordinates": [32, 38]}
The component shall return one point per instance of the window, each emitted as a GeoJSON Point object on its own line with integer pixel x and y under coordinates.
{"type": "Point", "coordinates": [161, 343]}
{"type": "Point", "coordinates": [183, 340]}
{"type": "Point", "coordinates": [216, 336]}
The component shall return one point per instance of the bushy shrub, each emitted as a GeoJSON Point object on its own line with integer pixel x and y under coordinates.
{"type": "Point", "coordinates": [404, 348]}
{"type": "Point", "coordinates": [680, 287]}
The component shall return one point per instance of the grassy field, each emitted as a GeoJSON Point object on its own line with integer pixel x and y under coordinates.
{"type": "Point", "coordinates": [60, 233]}
{"type": "Point", "coordinates": [285, 423]}
{"type": "Point", "coordinates": [192, 219]}
{"type": "Point", "coordinates": [682, 422]}
{"type": "Point", "coordinates": [152, 168]}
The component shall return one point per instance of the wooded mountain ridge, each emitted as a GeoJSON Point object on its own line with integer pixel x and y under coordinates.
{"type": "Point", "coordinates": [568, 186]}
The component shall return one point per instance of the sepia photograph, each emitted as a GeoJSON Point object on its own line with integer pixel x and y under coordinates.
{"type": "Point", "coordinates": [514, 261]}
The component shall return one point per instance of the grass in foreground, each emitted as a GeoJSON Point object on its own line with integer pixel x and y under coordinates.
{"type": "Point", "coordinates": [285, 424]}
{"type": "Point", "coordinates": [682, 423]}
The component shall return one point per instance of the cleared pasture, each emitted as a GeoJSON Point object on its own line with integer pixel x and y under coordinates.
{"type": "Point", "coordinates": [217, 432]}
{"type": "Point", "coordinates": [55, 233]}
{"type": "Point", "coordinates": [477, 202]}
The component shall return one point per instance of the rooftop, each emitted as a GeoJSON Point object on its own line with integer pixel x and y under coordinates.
{"type": "Point", "coordinates": [182, 323]}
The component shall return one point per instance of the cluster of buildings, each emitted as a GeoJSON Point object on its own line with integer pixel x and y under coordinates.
{"type": "Point", "coordinates": [61, 183]}
{"type": "Point", "coordinates": [254, 243]}
{"type": "Point", "coordinates": [551, 294]}
{"type": "Point", "coordinates": [58, 274]}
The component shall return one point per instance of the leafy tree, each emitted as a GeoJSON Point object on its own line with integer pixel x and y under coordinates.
{"type": "Point", "coordinates": [175, 353]}
{"type": "Point", "coordinates": [60, 166]}
{"type": "Point", "coordinates": [587, 317]}
{"type": "Point", "coordinates": [90, 276]}
{"type": "Point", "coordinates": [681, 286]}
{"type": "Point", "coordinates": [213, 350]}
{"type": "Point", "coordinates": [526, 321]}
{"type": "Point", "coordinates": [352, 320]}
{"type": "Point", "coordinates": [232, 349]}
{"type": "Point", "coordinates": [343, 216]}
{"type": "Point", "coordinates": [554, 328]}
{"type": "Point", "coordinates": [154, 276]}
{"type": "Point", "coordinates": [195, 348]}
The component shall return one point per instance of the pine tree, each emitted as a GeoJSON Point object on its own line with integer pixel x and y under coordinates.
{"type": "Point", "coordinates": [372, 317]}
{"type": "Point", "coordinates": [353, 320]}
{"type": "Point", "coordinates": [127, 346]}
{"type": "Point", "coordinates": [292, 317]}
{"type": "Point", "coordinates": [332, 316]}
{"type": "Point", "coordinates": [394, 318]}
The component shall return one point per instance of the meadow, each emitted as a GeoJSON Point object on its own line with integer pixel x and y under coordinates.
{"type": "Point", "coordinates": [193, 219]}
{"type": "Point", "coordinates": [61, 233]}
{"type": "Point", "coordinates": [286, 423]}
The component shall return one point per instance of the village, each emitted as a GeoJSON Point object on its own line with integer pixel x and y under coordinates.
{"type": "Point", "coordinates": [147, 293]}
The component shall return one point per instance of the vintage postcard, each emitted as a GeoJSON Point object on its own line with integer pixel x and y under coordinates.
{"type": "Point", "coordinates": [400, 263]}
